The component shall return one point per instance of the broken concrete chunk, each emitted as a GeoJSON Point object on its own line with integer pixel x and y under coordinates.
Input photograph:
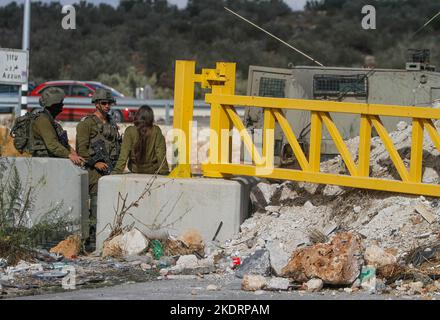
{"type": "Point", "coordinates": [188, 261]}
{"type": "Point", "coordinates": [257, 263]}
{"type": "Point", "coordinates": [277, 284]}
{"type": "Point", "coordinates": [417, 286]}
{"type": "Point", "coordinates": [278, 257]}
{"type": "Point", "coordinates": [127, 244]}
{"type": "Point", "coordinates": [133, 242]}
{"type": "Point", "coordinates": [426, 213]}
{"type": "Point", "coordinates": [336, 263]}
{"type": "Point", "coordinates": [190, 265]}
{"type": "Point", "coordinates": [331, 191]}
{"type": "Point", "coordinates": [287, 193]}
{"type": "Point", "coordinates": [376, 256]}
{"type": "Point", "coordinates": [401, 125]}
{"type": "Point", "coordinates": [261, 194]}
{"type": "Point", "coordinates": [212, 287]}
{"type": "Point", "coordinates": [253, 282]}
{"type": "Point", "coordinates": [314, 285]}
{"type": "Point", "coordinates": [68, 248]}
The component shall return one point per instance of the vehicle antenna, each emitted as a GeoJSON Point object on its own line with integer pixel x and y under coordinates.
{"type": "Point", "coordinates": [273, 36]}
{"type": "Point", "coordinates": [429, 21]}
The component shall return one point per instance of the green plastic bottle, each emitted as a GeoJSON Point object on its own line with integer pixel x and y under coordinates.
{"type": "Point", "coordinates": [156, 248]}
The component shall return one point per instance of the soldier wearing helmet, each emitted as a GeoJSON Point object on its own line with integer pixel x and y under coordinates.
{"type": "Point", "coordinates": [99, 142]}
{"type": "Point", "coordinates": [48, 139]}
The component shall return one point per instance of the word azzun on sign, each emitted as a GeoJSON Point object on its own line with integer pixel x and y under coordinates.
{"type": "Point", "coordinates": [13, 66]}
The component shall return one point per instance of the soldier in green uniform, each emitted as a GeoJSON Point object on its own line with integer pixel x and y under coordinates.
{"type": "Point", "coordinates": [48, 139]}
{"type": "Point", "coordinates": [99, 142]}
{"type": "Point", "coordinates": [143, 146]}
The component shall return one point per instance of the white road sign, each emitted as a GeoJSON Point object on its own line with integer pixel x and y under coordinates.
{"type": "Point", "coordinates": [13, 66]}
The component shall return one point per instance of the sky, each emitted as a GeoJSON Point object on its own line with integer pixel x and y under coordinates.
{"type": "Point", "coordinates": [294, 4]}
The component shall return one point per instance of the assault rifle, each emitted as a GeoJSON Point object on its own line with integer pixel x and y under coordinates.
{"type": "Point", "coordinates": [100, 155]}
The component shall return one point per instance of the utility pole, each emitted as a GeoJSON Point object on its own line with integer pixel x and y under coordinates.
{"type": "Point", "coordinates": [23, 91]}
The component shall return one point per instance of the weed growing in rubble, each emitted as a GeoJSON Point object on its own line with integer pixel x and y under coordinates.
{"type": "Point", "coordinates": [19, 234]}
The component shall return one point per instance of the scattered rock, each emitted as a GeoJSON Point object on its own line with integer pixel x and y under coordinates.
{"type": "Point", "coordinates": [417, 287]}
{"type": "Point", "coordinates": [426, 213]}
{"type": "Point", "coordinates": [376, 256]}
{"type": "Point", "coordinates": [261, 195]}
{"type": "Point", "coordinates": [133, 242]}
{"type": "Point", "coordinates": [336, 263]}
{"type": "Point", "coordinates": [278, 256]}
{"type": "Point", "coordinates": [190, 265]}
{"type": "Point", "coordinates": [127, 244]}
{"type": "Point", "coordinates": [357, 209]}
{"type": "Point", "coordinates": [287, 192]}
{"type": "Point", "coordinates": [257, 263]}
{"type": "Point", "coordinates": [69, 248]}
{"type": "Point", "coordinates": [314, 285]}
{"type": "Point", "coordinates": [253, 282]}
{"type": "Point", "coordinates": [277, 284]}
{"type": "Point", "coordinates": [401, 125]}
{"type": "Point", "coordinates": [212, 287]}
{"type": "Point", "coordinates": [146, 266]}
{"type": "Point", "coordinates": [163, 272]}
{"type": "Point", "coordinates": [331, 190]}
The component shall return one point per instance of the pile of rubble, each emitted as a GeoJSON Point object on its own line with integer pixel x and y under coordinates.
{"type": "Point", "coordinates": [322, 235]}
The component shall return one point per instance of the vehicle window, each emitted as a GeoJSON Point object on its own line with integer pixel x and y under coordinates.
{"type": "Point", "coordinates": [340, 86]}
{"type": "Point", "coordinates": [81, 91]}
{"type": "Point", "coordinates": [332, 85]}
{"type": "Point", "coordinates": [64, 87]}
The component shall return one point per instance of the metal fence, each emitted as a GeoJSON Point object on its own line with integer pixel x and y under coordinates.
{"type": "Point", "coordinates": [163, 109]}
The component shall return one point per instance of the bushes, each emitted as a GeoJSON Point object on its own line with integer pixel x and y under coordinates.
{"type": "Point", "coordinates": [20, 231]}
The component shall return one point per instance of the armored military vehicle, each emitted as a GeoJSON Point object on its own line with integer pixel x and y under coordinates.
{"type": "Point", "coordinates": [416, 85]}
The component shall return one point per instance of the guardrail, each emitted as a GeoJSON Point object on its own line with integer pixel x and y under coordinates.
{"type": "Point", "coordinates": [162, 108]}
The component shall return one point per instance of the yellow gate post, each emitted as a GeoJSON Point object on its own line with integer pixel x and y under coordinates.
{"type": "Point", "coordinates": [183, 115]}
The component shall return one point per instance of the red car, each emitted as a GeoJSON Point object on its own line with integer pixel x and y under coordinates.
{"type": "Point", "coordinates": [83, 89]}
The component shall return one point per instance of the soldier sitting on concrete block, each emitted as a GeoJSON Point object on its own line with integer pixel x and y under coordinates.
{"type": "Point", "coordinates": [143, 146]}
{"type": "Point", "coordinates": [38, 134]}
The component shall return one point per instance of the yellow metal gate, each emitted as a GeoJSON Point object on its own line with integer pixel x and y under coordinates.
{"type": "Point", "coordinates": [222, 99]}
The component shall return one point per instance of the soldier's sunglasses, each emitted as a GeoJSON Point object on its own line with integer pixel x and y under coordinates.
{"type": "Point", "coordinates": [104, 103]}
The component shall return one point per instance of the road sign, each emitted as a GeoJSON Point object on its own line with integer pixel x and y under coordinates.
{"type": "Point", "coordinates": [13, 66]}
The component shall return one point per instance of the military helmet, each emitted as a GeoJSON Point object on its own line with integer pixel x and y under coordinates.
{"type": "Point", "coordinates": [103, 94]}
{"type": "Point", "coordinates": [51, 96]}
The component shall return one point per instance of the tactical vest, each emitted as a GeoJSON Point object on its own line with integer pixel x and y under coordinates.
{"type": "Point", "coordinates": [38, 147]}
{"type": "Point", "coordinates": [109, 133]}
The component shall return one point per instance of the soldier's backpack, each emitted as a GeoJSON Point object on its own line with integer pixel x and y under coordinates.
{"type": "Point", "coordinates": [21, 132]}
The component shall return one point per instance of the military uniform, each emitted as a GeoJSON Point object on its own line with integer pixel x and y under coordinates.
{"type": "Point", "coordinates": [48, 137]}
{"type": "Point", "coordinates": [88, 130]}
{"type": "Point", "coordinates": [155, 153]}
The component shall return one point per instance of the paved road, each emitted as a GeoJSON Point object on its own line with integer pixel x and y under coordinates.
{"type": "Point", "coordinates": [195, 289]}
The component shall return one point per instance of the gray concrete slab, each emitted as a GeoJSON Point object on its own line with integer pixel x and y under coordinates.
{"type": "Point", "coordinates": [54, 183]}
{"type": "Point", "coordinates": [174, 205]}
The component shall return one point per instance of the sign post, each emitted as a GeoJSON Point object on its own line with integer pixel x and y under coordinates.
{"type": "Point", "coordinates": [14, 70]}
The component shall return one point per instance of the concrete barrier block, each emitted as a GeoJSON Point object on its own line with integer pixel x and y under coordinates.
{"type": "Point", "coordinates": [173, 204]}
{"type": "Point", "coordinates": [55, 183]}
